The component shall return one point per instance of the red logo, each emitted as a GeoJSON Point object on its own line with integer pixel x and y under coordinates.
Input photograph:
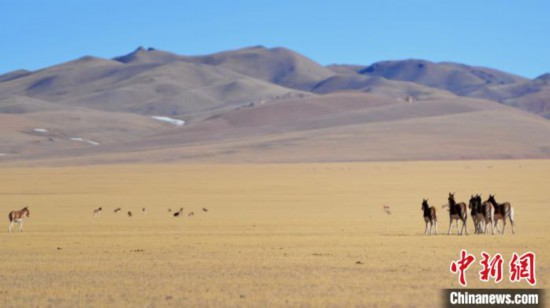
{"type": "Point", "coordinates": [492, 268]}
{"type": "Point", "coordinates": [522, 267]}
{"type": "Point", "coordinates": [461, 266]}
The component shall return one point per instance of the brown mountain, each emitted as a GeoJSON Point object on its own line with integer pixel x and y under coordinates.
{"type": "Point", "coordinates": [267, 105]}
{"type": "Point", "coordinates": [460, 79]}
{"type": "Point", "coordinates": [277, 65]}
{"type": "Point", "coordinates": [179, 89]}
{"type": "Point", "coordinates": [457, 78]}
{"type": "Point", "coordinates": [530, 95]}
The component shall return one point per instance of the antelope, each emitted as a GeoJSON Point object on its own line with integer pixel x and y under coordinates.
{"type": "Point", "coordinates": [97, 212]}
{"type": "Point", "coordinates": [17, 217]}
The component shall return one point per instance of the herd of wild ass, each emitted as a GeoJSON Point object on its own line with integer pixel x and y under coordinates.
{"type": "Point", "coordinates": [483, 214]}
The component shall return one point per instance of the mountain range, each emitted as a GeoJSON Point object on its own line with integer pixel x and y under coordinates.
{"type": "Point", "coordinates": [261, 104]}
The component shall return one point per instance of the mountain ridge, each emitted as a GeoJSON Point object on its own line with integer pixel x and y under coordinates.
{"type": "Point", "coordinates": [254, 103]}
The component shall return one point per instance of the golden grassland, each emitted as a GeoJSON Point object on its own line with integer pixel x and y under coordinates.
{"type": "Point", "coordinates": [277, 235]}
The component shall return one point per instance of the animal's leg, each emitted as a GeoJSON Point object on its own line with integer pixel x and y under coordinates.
{"type": "Point", "coordinates": [426, 228]}
{"type": "Point", "coordinates": [481, 223]}
{"type": "Point", "coordinates": [512, 220]}
{"type": "Point", "coordinates": [21, 226]}
{"type": "Point", "coordinates": [10, 228]}
{"type": "Point", "coordinates": [489, 224]}
{"type": "Point", "coordinates": [457, 232]}
{"type": "Point", "coordinates": [450, 225]}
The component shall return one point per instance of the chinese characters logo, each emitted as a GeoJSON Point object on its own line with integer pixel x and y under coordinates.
{"type": "Point", "coordinates": [521, 267]}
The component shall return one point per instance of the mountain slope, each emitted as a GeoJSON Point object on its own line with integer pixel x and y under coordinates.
{"type": "Point", "coordinates": [171, 89]}
{"type": "Point", "coordinates": [456, 78]}
{"type": "Point", "coordinates": [262, 104]}
{"type": "Point", "coordinates": [277, 65]}
{"type": "Point", "coordinates": [530, 95]}
{"type": "Point", "coordinates": [339, 127]}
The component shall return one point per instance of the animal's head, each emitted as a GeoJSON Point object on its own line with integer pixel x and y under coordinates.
{"type": "Point", "coordinates": [425, 204]}
{"type": "Point", "coordinates": [452, 197]}
{"type": "Point", "coordinates": [473, 200]}
{"type": "Point", "coordinates": [27, 212]}
{"type": "Point", "coordinates": [491, 198]}
{"type": "Point", "coordinates": [478, 199]}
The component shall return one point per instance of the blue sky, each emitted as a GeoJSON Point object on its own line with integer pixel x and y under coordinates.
{"type": "Point", "coordinates": [510, 35]}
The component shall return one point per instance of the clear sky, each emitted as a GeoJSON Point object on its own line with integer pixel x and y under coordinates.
{"type": "Point", "coordinates": [510, 35]}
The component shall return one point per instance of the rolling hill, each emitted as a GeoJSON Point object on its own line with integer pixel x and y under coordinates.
{"type": "Point", "coordinates": [262, 104]}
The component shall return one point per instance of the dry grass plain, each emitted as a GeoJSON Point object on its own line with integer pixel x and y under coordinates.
{"type": "Point", "coordinates": [275, 235]}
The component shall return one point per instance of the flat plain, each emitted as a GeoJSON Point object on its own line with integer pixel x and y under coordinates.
{"type": "Point", "coordinates": [310, 234]}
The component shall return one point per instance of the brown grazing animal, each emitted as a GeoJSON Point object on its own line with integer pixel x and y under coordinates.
{"type": "Point", "coordinates": [97, 212]}
{"type": "Point", "coordinates": [501, 212]}
{"type": "Point", "coordinates": [430, 217]}
{"type": "Point", "coordinates": [17, 217]}
{"type": "Point", "coordinates": [457, 211]}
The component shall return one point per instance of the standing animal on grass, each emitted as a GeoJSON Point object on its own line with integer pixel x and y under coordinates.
{"type": "Point", "coordinates": [387, 209]}
{"type": "Point", "coordinates": [457, 211]}
{"type": "Point", "coordinates": [488, 211]}
{"type": "Point", "coordinates": [97, 212]}
{"type": "Point", "coordinates": [178, 213]}
{"type": "Point", "coordinates": [17, 217]}
{"type": "Point", "coordinates": [501, 212]}
{"type": "Point", "coordinates": [130, 214]}
{"type": "Point", "coordinates": [430, 217]}
{"type": "Point", "coordinates": [477, 213]}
